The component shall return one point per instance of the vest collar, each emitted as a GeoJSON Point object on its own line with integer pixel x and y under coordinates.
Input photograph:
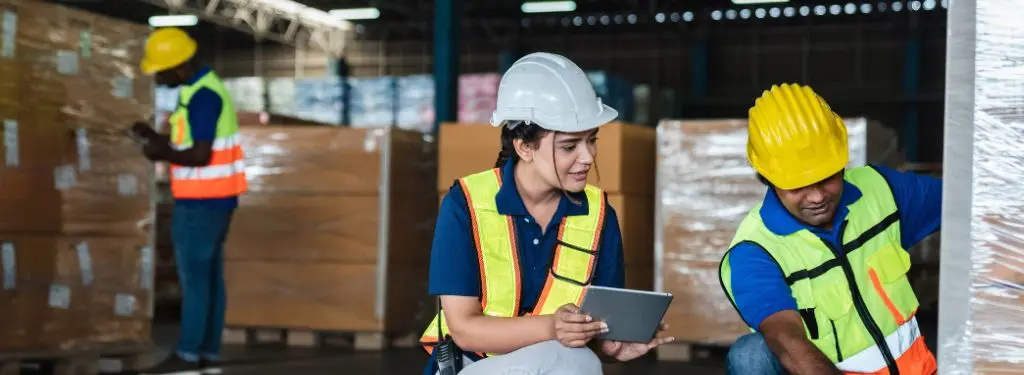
{"type": "Point", "coordinates": [510, 203]}
{"type": "Point", "coordinates": [782, 223]}
{"type": "Point", "coordinates": [199, 75]}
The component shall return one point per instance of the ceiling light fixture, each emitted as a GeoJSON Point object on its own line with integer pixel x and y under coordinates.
{"type": "Point", "coordinates": [548, 6]}
{"type": "Point", "coordinates": [174, 20]}
{"type": "Point", "coordinates": [355, 13]}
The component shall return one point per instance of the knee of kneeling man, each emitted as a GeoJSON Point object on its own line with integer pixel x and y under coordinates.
{"type": "Point", "coordinates": [750, 351]}
{"type": "Point", "coordinates": [582, 361]}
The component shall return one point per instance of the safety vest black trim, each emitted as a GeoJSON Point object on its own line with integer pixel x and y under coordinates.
{"type": "Point", "coordinates": [721, 282]}
{"type": "Point", "coordinates": [847, 248]}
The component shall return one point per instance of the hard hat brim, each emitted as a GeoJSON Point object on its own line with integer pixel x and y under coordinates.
{"type": "Point", "coordinates": [607, 114]}
{"type": "Point", "coordinates": [150, 66]}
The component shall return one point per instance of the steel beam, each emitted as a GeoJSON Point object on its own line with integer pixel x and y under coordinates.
{"type": "Point", "coordinates": [282, 21]}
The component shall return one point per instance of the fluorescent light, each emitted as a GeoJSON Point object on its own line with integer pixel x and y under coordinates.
{"type": "Point", "coordinates": [548, 6]}
{"type": "Point", "coordinates": [355, 13]}
{"type": "Point", "coordinates": [748, 2]}
{"type": "Point", "coordinates": [178, 20]}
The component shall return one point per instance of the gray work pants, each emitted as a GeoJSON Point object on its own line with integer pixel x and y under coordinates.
{"type": "Point", "coordinates": [545, 358]}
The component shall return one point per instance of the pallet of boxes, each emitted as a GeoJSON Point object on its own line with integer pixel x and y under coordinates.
{"type": "Point", "coordinates": [624, 168]}
{"type": "Point", "coordinates": [75, 281]}
{"type": "Point", "coordinates": [330, 243]}
{"type": "Point", "coordinates": [705, 187]}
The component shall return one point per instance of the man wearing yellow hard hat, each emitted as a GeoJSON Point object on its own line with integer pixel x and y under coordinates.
{"type": "Point", "coordinates": [207, 176]}
{"type": "Point", "coordinates": [818, 270]}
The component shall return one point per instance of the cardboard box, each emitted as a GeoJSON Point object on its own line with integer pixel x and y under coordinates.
{"type": "Point", "coordinates": [625, 156]}
{"type": "Point", "coordinates": [330, 210]}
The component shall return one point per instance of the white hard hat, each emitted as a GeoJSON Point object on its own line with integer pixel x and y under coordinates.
{"type": "Point", "coordinates": [551, 91]}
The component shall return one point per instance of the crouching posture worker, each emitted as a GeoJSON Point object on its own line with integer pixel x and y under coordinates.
{"type": "Point", "coordinates": [207, 176]}
{"type": "Point", "coordinates": [515, 246]}
{"type": "Point", "coordinates": [818, 270]}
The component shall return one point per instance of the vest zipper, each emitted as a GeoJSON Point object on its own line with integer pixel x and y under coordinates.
{"type": "Point", "coordinates": [862, 309]}
{"type": "Point", "coordinates": [835, 335]}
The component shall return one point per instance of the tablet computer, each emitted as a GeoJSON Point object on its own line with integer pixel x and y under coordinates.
{"type": "Point", "coordinates": [631, 315]}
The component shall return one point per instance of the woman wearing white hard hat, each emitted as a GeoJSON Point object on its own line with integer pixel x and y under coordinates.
{"type": "Point", "coordinates": [515, 246]}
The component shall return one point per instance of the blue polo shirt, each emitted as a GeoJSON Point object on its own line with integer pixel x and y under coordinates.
{"type": "Point", "coordinates": [759, 287]}
{"type": "Point", "coordinates": [454, 268]}
{"type": "Point", "coordinates": [203, 111]}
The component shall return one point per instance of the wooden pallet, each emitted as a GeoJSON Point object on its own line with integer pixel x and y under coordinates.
{"type": "Point", "coordinates": [316, 338]}
{"type": "Point", "coordinates": [684, 352]}
{"type": "Point", "coordinates": [133, 356]}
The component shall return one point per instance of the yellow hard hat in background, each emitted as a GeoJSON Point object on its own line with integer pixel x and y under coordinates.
{"type": "Point", "coordinates": [166, 48]}
{"type": "Point", "coordinates": [795, 139]}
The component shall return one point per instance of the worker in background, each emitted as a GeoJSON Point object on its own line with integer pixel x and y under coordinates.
{"type": "Point", "coordinates": [207, 176]}
{"type": "Point", "coordinates": [506, 308]}
{"type": "Point", "coordinates": [818, 270]}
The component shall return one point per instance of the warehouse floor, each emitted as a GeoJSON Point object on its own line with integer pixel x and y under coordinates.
{"type": "Point", "coordinates": [266, 360]}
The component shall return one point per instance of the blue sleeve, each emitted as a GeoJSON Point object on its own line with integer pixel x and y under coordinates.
{"type": "Point", "coordinates": [919, 200]}
{"type": "Point", "coordinates": [203, 110]}
{"type": "Point", "coordinates": [610, 270]}
{"type": "Point", "coordinates": [454, 269]}
{"type": "Point", "coordinates": [759, 289]}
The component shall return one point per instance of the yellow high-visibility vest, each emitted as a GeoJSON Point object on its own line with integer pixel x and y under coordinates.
{"type": "Point", "coordinates": [497, 252]}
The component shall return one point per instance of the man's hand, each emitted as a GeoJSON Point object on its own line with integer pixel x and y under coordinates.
{"type": "Point", "coordinates": [156, 150]}
{"type": "Point", "coordinates": [628, 351]}
{"type": "Point", "coordinates": [784, 333]}
{"type": "Point", "coordinates": [143, 131]}
{"type": "Point", "coordinates": [574, 329]}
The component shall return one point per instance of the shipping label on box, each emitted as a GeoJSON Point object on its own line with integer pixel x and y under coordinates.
{"type": "Point", "coordinates": [11, 142]}
{"type": "Point", "coordinates": [10, 30]}
{"type": "Point", "coordinates": [7, 260]}
{"type": "Point", "coordinates": [60, 296]}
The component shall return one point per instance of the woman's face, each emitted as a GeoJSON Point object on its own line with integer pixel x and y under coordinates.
{"type": "Point", "coordinates": [564, 159]}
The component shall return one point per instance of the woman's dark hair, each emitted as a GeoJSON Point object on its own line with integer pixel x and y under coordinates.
{"type": "Point", "coordinates": [529, 133]}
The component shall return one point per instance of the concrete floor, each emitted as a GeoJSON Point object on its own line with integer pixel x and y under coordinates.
{"type": "Point", "coordinates": [267, 360]}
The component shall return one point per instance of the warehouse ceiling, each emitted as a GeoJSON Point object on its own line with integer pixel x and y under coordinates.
{"type": "Point", "coordinates": [502, 20]}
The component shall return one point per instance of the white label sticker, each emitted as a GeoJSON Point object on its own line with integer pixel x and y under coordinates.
{"type": "Point", "coordinates": [64, 177]}
{"type": "Point", "coordinates": [11, 142]}
{"type": "Point", "coordinates": [146, 281]}
{"type": "Point", "coordinates": [82, 141]}
{"type": "Point", "coordinates": [67, 62]}
{"type": "Point", "coordinates": [84, 262]}
{"type": "Point", "coordinates": [127, 184]}
{"type": "Point", "coordinates": [124, 305]}
{"type": "Point", "coordinates": [10, 29]}
{"type": "Point", "coordinates": [60, 296]}
{"type": "Point", "coordinates": [122, 87]}
{"type": "Point", "coordinates": [7, 259]}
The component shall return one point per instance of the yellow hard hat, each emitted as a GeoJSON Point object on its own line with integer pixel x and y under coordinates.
{"type": "Point", "coordinates": [795, 139]}
{"type": "Point", "coordinates": [166, 48]}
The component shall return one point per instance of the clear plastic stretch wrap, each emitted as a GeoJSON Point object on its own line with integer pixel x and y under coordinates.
{"type": "Point", "coordinates": [705, 187]}
{"type": "Point", "coordinates": [248, 93]}
{"type": "Point", "coordinates": [74, 191]}
{"type": "Point", "coordinates": [982, 302]}
{"type": "Point", "coordinates": [334, 231]}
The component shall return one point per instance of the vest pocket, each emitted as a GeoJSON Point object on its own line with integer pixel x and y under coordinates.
{"type": "Point", "coordinates": [887, 271]}
{"type": "Point", "coordinates": [832, 294]}
{"type": "Point", "coordinates": [891, 263]}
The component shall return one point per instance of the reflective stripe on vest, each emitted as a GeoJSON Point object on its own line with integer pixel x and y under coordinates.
{"type": "Point", "coordinates": [224, 176]}
{"type": "Point", "coordinates": [856, 302]}
{"type": "Point", "coordinates": [498, 255]}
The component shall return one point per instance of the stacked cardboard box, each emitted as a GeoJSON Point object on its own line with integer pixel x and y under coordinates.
{"type": "Point", "coordinates": [705, 189]}
{"type": "Point", "coordinates": [335, 231]}
{"type": "Point", "coordinates": [624, 169]}
{"type": "Point", "coordinates": [73, 192]}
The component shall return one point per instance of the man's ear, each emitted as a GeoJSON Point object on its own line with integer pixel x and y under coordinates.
{"type": "Point", "coordinates": [523, 149]}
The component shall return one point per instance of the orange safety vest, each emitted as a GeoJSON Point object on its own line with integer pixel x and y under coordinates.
{"type": "Point", "coordinates": [224, 176]}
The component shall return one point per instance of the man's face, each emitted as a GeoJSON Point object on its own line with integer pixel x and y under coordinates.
{"type": "Point", "coordinates": [814, 204]}
{"type": "Point", "coordinates": [169, 78]}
